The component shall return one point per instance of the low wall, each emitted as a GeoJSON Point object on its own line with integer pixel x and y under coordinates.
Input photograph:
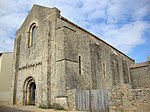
{"type": "Point", "coordinates": [125, 99]}
{"type": "Point", "coordinates": [121, 98]}
{"type": "Point", "coordinates": [137, 101]}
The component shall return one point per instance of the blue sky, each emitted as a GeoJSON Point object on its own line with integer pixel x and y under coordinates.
{"type": "Point", "coordinates": [125, 24]}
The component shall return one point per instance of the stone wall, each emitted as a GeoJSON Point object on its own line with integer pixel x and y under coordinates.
{"type": "Point", "coordinates": [140, 77]}
{"type": "Point", "coordinates": [23, 74]}
{"type": "Point", "coordinates": [35, 61]}
{"type": "Point", "coordinates": [125, 99]}
{"type": "Point", "coordinates": [94, 53]}
{"type": "Point", "coordinates": [89, 63]}
{"type": "Point", "coordinates": [115, 99]}
{"type": "Point", "coordinates": [64, 58]}
{"type": "Point", "coordinates": [138, 101]}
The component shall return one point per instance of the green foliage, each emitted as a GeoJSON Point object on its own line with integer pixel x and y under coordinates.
{"type": "Point", "coordinates": [52, 106]}
{"type": "Point", "coordinates": [43, 106]}
{"type": "Point", "coordinates": [58, 107]}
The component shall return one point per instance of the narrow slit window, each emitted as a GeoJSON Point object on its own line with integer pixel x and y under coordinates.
{"type": "Point", "coordinates": [79, 65]}
{"type": "Point", "coordinates": [104, 69]}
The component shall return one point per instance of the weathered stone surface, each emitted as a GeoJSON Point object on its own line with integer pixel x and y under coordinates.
{"type": "Point", "coordinates": [63, 101]}
{"type": "Point", "coordinates": [136, 100]}
{"type": "Point", "coordinates": [65, 58]}
{"type": "Point", "coordinates": [126, 99]}
{"type": "Point", "coordinates": [140, 75]}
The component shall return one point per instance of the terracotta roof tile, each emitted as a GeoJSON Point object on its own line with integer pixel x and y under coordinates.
{"type": "Point", "coordinates": [142, 64]}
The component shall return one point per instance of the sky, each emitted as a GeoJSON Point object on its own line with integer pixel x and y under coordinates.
{"type": "Point", "coordinates": [125, 24]}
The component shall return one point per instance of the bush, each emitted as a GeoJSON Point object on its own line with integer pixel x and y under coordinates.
{"type": "Point", "coordinates": [52, 106]}
{"type": "Point", "coordinates": [58, 107]}
{"type": "Point", "coordinates": [43, 106]}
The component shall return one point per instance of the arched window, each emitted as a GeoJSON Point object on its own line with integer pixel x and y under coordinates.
{"type": "Point", "coordinates": [32, 35]}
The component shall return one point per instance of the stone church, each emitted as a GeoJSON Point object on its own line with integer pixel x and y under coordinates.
{"type": "Point", "coordinates": [54, 58]}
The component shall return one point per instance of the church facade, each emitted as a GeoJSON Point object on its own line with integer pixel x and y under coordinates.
{"type": "Point", "coordinates": [53, 58]}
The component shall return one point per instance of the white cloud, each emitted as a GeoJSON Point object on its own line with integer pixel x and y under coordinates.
{"type": "Point", "coordinates": [125, 37]}
{"type": "Point", "coordinates": [119, 22]}
{"type": "Point", "coordinates": [128, 36]}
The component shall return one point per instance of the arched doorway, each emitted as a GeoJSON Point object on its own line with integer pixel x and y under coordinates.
{"type": "Point", "coordinates": [29, 91]}
{"type": "Point", "coordinates": [32, 88]}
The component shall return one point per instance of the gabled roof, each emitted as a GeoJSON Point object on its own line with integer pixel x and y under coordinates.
{"type": "Point", "coordinates": [63, 18]}
{"type": "Point", "coordinates": [1, 53]}
{"type": "Point", "coordinates": [35, 10]}
{"type": "Point", "coordinates": [5, 52]}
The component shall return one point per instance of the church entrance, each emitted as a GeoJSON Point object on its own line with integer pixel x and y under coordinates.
{"type": "Point", "coordinates": [31, 95]}
{"type": "Point", "coordinates": [29, 91]}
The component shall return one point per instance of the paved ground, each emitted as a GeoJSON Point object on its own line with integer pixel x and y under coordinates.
{"type": "Point", "coordinates": [5, 107]}
{"type": "Point", "coordinates": [9, 109]}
